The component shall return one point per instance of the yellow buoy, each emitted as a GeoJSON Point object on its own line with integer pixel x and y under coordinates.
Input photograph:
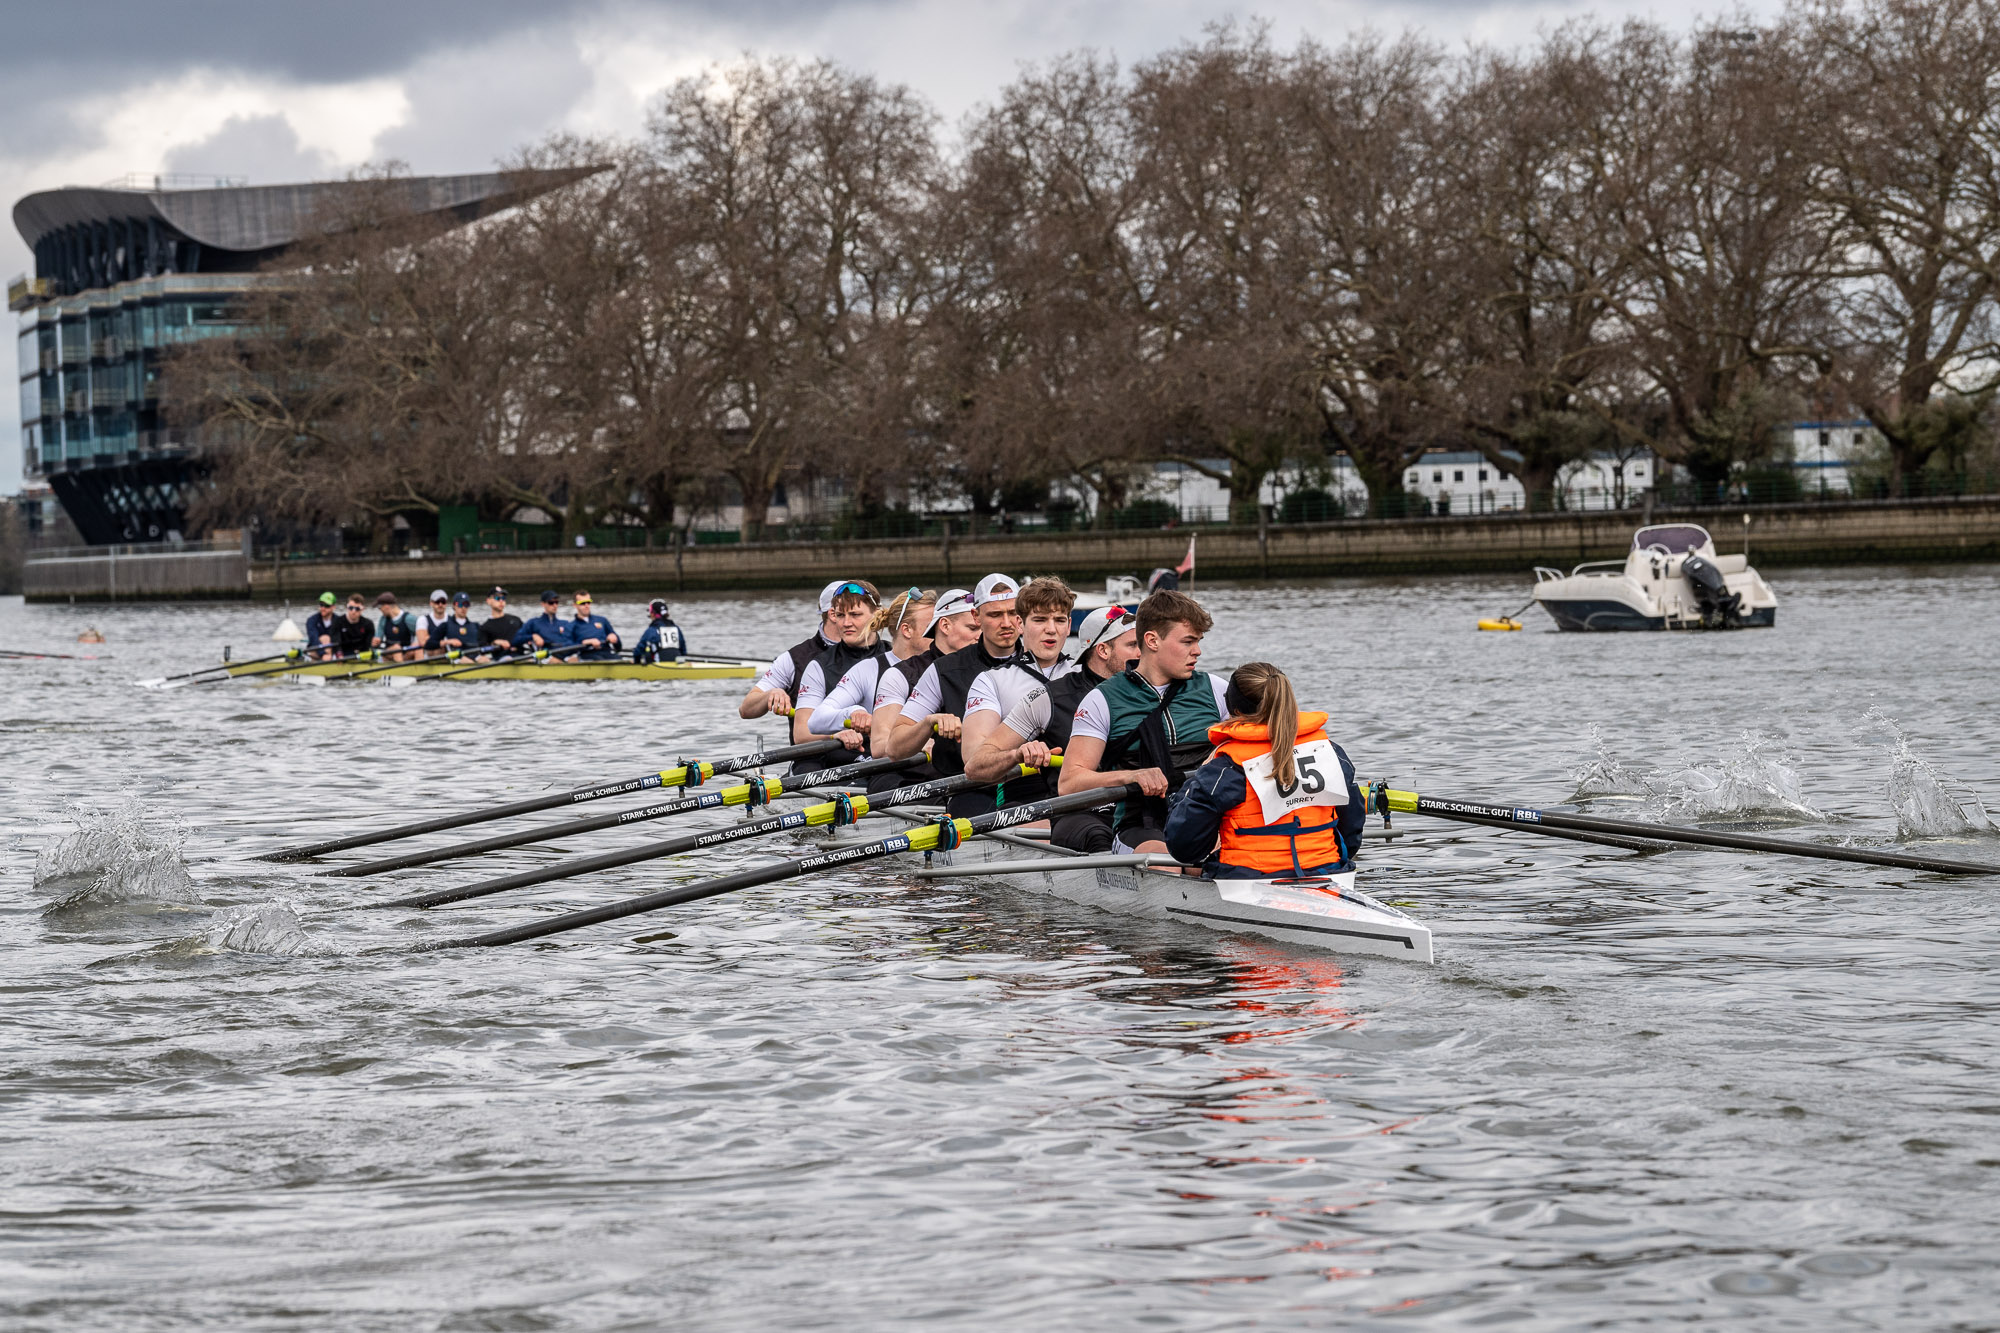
{"type": "Point", "coordinates": [1503, 623]}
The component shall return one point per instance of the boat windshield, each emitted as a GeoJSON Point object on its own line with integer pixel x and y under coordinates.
{"type": "Point", "coordinates": [1675, 538]}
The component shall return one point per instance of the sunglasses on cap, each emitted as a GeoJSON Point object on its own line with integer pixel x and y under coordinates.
{"type": "Point", "coordinates": [910, 598]}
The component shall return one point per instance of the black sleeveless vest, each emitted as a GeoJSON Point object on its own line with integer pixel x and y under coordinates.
{"type": "Point", "coordinates": [1066, 694]}
{"type": "Point", "coordinates": [834, 660]}
{"type": "Point", "coordinates": [956, 672]}
{"type": "Point", "coordinates": [802, 654]}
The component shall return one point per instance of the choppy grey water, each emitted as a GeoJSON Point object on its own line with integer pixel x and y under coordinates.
{"type": "Point", "coordinates": [1633, 1091]}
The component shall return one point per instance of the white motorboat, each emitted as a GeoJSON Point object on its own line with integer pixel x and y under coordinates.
{"type": "Point", "coordinates": [1671, 579]}
{"type": "Point", "coordinates": [1119, 590]}
{"type": "Point", "coordinates": [1319, 913]}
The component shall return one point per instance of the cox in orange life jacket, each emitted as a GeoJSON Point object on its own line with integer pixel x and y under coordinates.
{"type": "Point", "coordinates": [1277, 799]}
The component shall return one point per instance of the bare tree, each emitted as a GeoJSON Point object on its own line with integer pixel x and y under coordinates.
{"type": "Point", "coordinates": [1905, 118]}
{"type": "Point", "coordinates": [796, 178]}
{"type": "Point", "coordinates": [1376, 277]}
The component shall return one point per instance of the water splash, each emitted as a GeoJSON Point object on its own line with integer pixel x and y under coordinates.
{"type": "Point", "coordinates": [1756, 782]}
{"type": "Point", "coordinates": [1928, 803]}
{"type": "Point", "coordinates": [1759, 782]}
{"type": "Point", "coordinates": [264, 928]}
{"type": "Point", "coordinates": [114, 857]}
{"type": "Point", "coordinates": [1605, 774]}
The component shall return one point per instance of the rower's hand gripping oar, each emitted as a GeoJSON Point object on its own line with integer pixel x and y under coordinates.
{"type": "Point", "coordinates": [758, 791]}
{"type": "Point", "coordinates": [672, 777]}
{"type": "Point", "coordinates": [839, 811]}
{"type": "Point", "coordinates": [1531, 820]}
{"type": "Point", "coordinates": [941, 835]}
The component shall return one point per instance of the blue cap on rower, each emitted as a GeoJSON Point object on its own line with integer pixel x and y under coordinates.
{"type": "Point", "coordinates": [994, 588]}
{"type": "Point", "coordinates": [461, 599]}
{"type": "Point", "coordinates": [950, 602]}
{"type": "Point", "coordinates": [550, 597]}
{"type": "Point", "coordinates": [1102, 626]}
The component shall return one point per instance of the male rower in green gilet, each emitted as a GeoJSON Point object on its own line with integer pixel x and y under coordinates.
{"type": "Point", "coordinates": [1150, 724]}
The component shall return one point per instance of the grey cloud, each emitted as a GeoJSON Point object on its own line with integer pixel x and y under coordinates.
{"type": "Point", "coordinates": [263, 149]}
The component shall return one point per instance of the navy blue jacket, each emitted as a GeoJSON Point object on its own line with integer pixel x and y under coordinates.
{"type": "Point", "coordinates": [1194, 819]}
{"type": "Point", "coordinates": [551, 628]}
{"type": "Point", "coordinates": [663, 641]}
{"type": "Point", "coordinates": [591, 627]}
{"type": "Point", "coordinates": [464, 632]}
{"type": "Point", "coordinates": [323, 623]}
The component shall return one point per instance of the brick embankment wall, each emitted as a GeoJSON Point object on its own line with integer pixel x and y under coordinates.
{"type": "Point", "coordinates": [1833, 533]}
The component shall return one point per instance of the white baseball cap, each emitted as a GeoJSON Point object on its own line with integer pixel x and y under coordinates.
{"type": "Point", "coordinates": [837, 587]}
{"type": "Point", "coordinates": [439, 595]}
{"type": "Point", "coordinates": [1103, 625]}
{"type": "Point", "coordinates": [994, 588]}
{"type": "Point", "coordinates": [950, 602]}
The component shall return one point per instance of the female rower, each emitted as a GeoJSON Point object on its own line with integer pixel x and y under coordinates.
{"type": "Point", "coordinates": [1276, 799]}
{"type": "Point", "coordinates": [849, 704]}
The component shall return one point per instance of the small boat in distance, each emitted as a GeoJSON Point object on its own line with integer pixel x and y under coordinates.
{"type": "Point", "coordinates": [1671, 579]}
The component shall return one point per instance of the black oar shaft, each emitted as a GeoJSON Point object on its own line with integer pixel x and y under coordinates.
{"type": "Point", "coordinates": [574, 796]}
{"type": "Point", "coordinates": [918, 839]}
{"type": "Point", "coordinates": [1523, 817]}
{"type": "Point", "coordinates": [661, 810]}
{"type": "Point", "coordinates": [652, 851]}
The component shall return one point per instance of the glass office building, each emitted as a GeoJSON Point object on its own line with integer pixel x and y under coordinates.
{"type": "Point", "coordinates": [123, 275]}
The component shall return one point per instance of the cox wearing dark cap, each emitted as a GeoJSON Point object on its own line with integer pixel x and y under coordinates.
{"type": "Point", "coordinates": [547, 629]}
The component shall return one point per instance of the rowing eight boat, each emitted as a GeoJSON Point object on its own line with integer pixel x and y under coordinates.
{"type": "Point", "coordinates": [524, 669]}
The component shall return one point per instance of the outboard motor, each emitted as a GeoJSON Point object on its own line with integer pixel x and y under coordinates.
{"type": "Point", "coordinates": [1720, 608]}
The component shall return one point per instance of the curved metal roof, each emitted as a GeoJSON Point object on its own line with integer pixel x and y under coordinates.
{"type": "Point", "coordinates": [265, 217]}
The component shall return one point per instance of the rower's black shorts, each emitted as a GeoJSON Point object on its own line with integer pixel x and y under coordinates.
{"type": "Point", "coordinates": [1082, 831]}
{"type": "Point", "coordinates": [1134, 834]}
{"type": "Point", "coordinates": [966, 804]}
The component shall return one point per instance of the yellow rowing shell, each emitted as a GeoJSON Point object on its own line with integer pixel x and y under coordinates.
{"type": "Point", "coordinates": [688, 669]}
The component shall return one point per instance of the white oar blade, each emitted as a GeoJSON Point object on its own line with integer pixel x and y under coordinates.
{"type": "Point", "coordinates": [399, 682]}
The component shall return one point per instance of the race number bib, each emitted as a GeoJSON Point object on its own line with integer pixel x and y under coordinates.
{"type": "Point", "coordinates": [1320, 781]}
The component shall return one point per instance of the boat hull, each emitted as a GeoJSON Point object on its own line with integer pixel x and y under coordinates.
{"type": "Point", "coordinates": [692, 669]}
{"type": "Point", "coordinates": [1604, 613]}
{"type": "Point", "coordinates": [1328, 914]}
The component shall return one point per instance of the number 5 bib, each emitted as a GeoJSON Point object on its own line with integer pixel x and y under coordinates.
{"type": "Point", "coordinates": [1320, 781]}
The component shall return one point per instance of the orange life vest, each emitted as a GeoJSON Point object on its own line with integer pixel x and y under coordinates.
{"type": "Point", "coordinates": [1308, 836]}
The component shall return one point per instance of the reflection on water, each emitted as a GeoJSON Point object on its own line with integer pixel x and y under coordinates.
{"type": "Point", "coordinates": [1691, 1086]}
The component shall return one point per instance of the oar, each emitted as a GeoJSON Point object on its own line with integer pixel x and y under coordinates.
{"type": "Point", "coordinates": [836, 811]}
{"type": "Point", "coordinates": [288, 666]}
{"type": "Point", "coordinates": [446, 654]}
{"type": "Point", "coordinates": [827, 813]}
{"type": "Point", "coordinates": [672, 777]}
{"type": "Point", "coordinates": [742, 794]}
{"type": "Point", "coordinates": [1531, 820]}
{"type": "Point", "coordinates": [159, 682]}
{"type": "Point", "coordinates": [945, 834]}
{"type": "Point", "coordinates": [539, 655]}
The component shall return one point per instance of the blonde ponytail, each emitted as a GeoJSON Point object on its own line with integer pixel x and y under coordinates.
{"type": "Point", "coordinates": [1269, 692]}
{"type": "Point", "coordinates": [891, 616]}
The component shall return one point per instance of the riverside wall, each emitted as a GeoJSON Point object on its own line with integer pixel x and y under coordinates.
{"type": "Point", "coordinates": [1858, 532]}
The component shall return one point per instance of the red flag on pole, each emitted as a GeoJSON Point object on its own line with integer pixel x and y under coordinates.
{"type": "Point", "coordinates": [1187, 566]}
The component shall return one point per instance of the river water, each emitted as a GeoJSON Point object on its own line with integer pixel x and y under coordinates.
{"type": "Point", "coordinates": [1634, 1090]}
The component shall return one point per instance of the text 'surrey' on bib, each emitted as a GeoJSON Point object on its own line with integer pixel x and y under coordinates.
{"type": "Point", "coordinates": [1319, 781]}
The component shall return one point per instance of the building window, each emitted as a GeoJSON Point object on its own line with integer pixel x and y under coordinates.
{"type": "Point", "coordinates": [1437, 476]}
{"type": "Point", "coordinates": [1415, 477]}
{"type": "Point", "coordinates": [1458, 474]}
{"type": "Point", "coordinates": [1482, 474]}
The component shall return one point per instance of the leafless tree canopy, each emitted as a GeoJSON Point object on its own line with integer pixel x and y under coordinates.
{"type": "Point", "coordinates": [1237, 256]}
